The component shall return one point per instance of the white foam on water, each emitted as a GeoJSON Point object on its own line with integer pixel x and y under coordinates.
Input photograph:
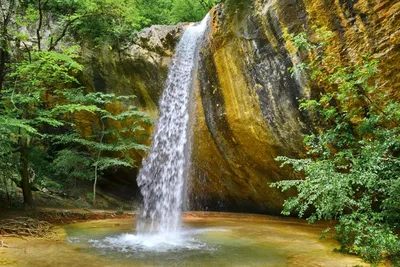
{"type": "Point", "coordinates": [158, 242]}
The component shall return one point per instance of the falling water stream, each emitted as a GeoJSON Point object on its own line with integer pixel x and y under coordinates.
{"type": "Point", "coordinates": [162, 177]}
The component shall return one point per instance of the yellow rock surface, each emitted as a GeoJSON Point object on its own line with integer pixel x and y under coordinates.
{"type": "Point", "coordinates": [246, 100]}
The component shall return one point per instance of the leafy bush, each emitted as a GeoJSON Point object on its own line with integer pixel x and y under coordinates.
{"type": "Point", "coordinates": [174, 11]}
{"type": "Point", "coordinates": [89, 196]}
{"type": "Point", "coordinates": [352, 165]}
{"type": "Point", "coordinates": [120, 211]}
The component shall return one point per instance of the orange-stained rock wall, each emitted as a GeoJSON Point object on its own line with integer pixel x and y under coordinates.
{"type": "Point", "coordinates": [247, 101]}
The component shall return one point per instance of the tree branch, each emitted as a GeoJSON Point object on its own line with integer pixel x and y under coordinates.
{"type": "Point", "coordinates": [363, 93]}
{"type": "Point", "coordinates": [7, 16]}
{"type": "Point", "coordinates": [2, 10]}
{"type": "Point", "coordinates": [64, 32]}
{"type": "Point", "coordinates": [39, 28]}
{"type": "Point", "coordinates": [4, 42]}
{"type": "Point", "coordinates": [203, 4]}
{"type": "Point", "coordinates": [10, 8]}
{"type": "Point", "coordinates": [29, 51]}
{"type": "Point", "coordinates": [97, 162]}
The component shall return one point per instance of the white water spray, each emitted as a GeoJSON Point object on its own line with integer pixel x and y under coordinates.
{"type": "Point", "coordinates": [162, 177]}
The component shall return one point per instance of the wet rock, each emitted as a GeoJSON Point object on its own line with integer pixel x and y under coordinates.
{"type": "Point", "coordinates": [247, 101]}
{"type": "Point", "coordinates": [160, 39]}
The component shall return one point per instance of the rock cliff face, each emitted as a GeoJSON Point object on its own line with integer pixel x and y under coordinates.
{"type": "Point", "coordinates": [141, 69]}
{"type": "Point", "coordinates": [246, 101]}
{"type": "Point", "coordinates": [246, 116]}
{"type": "Point", "coordinates": [247, 109]}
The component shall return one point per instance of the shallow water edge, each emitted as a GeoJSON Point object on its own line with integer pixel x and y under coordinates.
{"type": "Point", "coordinates": [209, 239]}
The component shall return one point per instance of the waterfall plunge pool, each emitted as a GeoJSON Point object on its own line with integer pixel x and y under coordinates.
{"type": "Point", "coordinates": [205, 239]}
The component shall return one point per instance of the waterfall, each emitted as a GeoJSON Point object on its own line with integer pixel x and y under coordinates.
{"type": "Point", "coordinates": [162, 177]}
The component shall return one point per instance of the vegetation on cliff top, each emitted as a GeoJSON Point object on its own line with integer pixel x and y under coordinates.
{"type": "Point", "coordinates": [352, 165]}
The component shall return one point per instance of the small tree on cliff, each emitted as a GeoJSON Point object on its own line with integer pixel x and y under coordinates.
{"type": "Point", "coordinates": [352, 167]}
{"type": "Point", "coordinates": [114, 137]}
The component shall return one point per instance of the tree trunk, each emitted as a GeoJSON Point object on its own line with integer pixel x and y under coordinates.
{"type": "Point", "coordinates": [96, 169]}
{"type": "Point", "coordinates": [3, 60]}
{"type": "Point", "coordinates": [26, 185]}
{"type": "Point", "coordinates": [4, 55]}
{"type": "Point", "coordinates": [94, 186]}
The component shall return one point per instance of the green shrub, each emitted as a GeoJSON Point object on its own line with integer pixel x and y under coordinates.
{"type": "Point", "coordinates": [352, 164]}
{"type": "Point", "coordinates": [89, 196]}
